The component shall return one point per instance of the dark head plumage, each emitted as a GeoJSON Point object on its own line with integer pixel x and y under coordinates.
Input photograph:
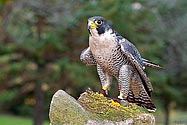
{"type": "Point", "coordinates": [99, 23]}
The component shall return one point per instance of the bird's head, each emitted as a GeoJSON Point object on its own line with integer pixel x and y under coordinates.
{"type": "Point", "coordinates": [97, 25]}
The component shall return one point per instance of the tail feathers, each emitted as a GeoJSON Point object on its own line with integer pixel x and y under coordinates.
{"type": "Point", "coordinates": [142, 100]}
{"type": "Point", "coordinates": [150, 64]}
{"type": "Point", "coordinates": [138, 93]}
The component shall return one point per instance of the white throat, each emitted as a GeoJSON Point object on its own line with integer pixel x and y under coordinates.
{"type": "Point", "coordinates": [102, 37]}
{"type": "Point", "coordinates": [94, 32]}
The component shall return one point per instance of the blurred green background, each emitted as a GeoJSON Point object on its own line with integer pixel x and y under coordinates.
{"type": "Point", "coordinates": [41, 41]}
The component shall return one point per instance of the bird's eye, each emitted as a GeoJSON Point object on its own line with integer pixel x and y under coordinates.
{"type": "Point", "coordinates": [98, 22]}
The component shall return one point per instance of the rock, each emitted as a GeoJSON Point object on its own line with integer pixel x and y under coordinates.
{"type": "Point", "coordinates": [64, 109]}
{"type": "Point", "coordinates": [93, 109]}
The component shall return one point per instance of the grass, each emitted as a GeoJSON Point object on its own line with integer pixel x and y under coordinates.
{"type": "Point", "coordinates": [16, 120]}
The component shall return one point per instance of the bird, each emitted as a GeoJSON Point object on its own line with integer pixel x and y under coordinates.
{"type": "Point", "coordinates": [115, 56]}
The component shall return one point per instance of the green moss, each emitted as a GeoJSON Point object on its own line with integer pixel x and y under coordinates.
{"type": "Point", "coordinates": [102, 108]}
{"type": "Point", "coordinates": [94, 108]}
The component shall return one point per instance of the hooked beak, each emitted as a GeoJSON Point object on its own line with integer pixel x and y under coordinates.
{"type": "Point", "coordinates": [91, 25]}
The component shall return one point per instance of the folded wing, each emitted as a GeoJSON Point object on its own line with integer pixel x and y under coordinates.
{"type": "Point", "coordinates": [134, 57]}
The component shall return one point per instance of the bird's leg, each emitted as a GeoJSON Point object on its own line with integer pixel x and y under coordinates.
{"type": "Point", "coordinates": [105, 80]}
{"type": "Point", "coordinates": [124, 82]}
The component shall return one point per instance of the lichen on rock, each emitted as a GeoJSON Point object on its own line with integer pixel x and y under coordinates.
{"type": "Point", "coordinates": [93, 108]}
{"type": "Point", "coordinates": [103, 108]}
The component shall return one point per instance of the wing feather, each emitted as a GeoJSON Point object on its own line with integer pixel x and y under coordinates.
{"type": "Point", "coordinates": [134, 57]}
{"type": "Point", "coordinates": [87, 57]}
{"type": "Point", "coordinates": [137, 93]}
{"type": "Point", "coordinates": [151, 64]}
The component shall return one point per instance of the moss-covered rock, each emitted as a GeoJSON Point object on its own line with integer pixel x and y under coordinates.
{"type": "Point", "coordinates": [94, 109]}
{"type": "Point", "coordinates": [103, 108]}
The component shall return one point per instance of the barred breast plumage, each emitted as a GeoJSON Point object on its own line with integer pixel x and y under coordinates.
{"type": "Point", "coordinates": [107, 52]}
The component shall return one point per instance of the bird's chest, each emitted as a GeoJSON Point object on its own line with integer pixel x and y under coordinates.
{"type": "Point", "coordinates": [102, 47]}
{"type": "Point", "coordinates": [104, 51]}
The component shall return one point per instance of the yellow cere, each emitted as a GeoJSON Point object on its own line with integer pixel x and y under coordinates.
{"type": "Point", "coordinates": [92, 24]}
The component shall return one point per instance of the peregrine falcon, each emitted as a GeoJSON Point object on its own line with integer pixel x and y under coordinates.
{"type": "Point", "coordinates": [116, 56]}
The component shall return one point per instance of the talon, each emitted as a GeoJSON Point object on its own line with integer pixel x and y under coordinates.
{"type": "Point", "coordinates": [118, 100]}
{"type": "Point", "coordinates": [102, 92]}
{"type": "Point", "coordinates": [115, 103]}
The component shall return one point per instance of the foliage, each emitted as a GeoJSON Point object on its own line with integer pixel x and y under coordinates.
{"type": "Point", "coordinates": [170, 23]}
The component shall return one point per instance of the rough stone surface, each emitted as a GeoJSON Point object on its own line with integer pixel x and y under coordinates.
{"type": "Point", "coordinates": [93, 109]}
{"type": "Point", "coordinates": [64, 109]}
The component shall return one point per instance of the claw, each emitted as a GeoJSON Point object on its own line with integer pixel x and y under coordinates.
{"type": "Point", "coordinates": [118, 101]}
{"type": "Point", "coordinates": [102, 92]}
{"type": "Point", "coordinates": [115, 103]}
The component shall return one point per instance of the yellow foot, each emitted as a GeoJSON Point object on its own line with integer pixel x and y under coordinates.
{"type": "Point", "coordinates": [115, 103]}
{"type": "Point", "coordinates": [101, 94]}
